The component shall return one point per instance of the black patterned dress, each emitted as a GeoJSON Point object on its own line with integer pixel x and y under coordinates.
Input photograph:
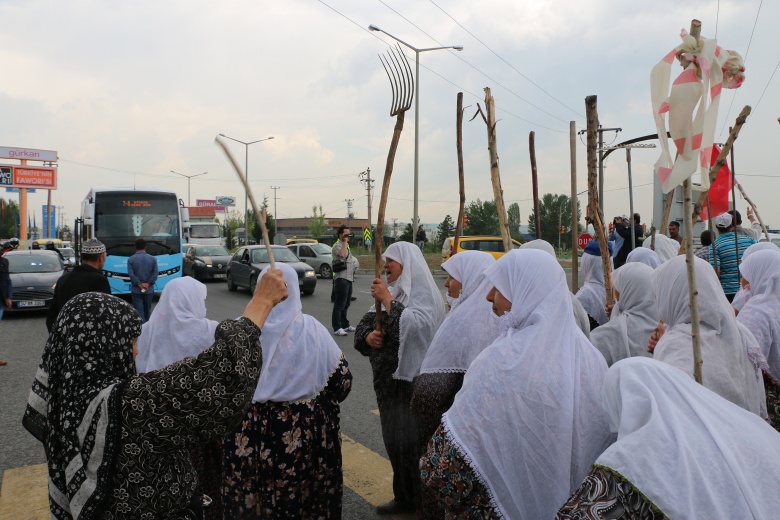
{"type": "Point", "coordinates": [772, 390]}
{"type": "Point", "coordinates": [167, 412]}
{"type": "Point", "coordinates": [393, 396]}
{"type": "Point", "coordinates": [606, 495]}
{"type": "Point", "coordinates": [284, 461]}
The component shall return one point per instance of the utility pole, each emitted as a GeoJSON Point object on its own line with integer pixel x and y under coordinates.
{"type": "Point", "coordinates": [369, 183]}
{"type": "Point", "coordinates": [275, 188]}
{"type": "Point", "coordinates": [395, 227]}
{"type": "Point", "coordinates": [350, 215]}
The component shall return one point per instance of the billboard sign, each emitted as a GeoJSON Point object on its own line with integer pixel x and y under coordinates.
{"type": "Point", "coordinates": [209, 202]}
{"type": "Point", "coordinates": [52, 221]}
{"type": "Point", "coordinates": [16, 190]}
{"type": "Point", "coordinates": [225, 201]}
{"type": "Point", "coordinates": [15, 176]}
{"type": "Point", "coordinates": [31, 154]}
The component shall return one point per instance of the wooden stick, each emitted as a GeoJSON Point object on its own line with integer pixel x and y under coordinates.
{"type": "Point", "coordinates": [575, 281]}
{"type": "Point", "coordinates": [461, 180]}
{"type": "Point", "coordinates": [595, 215]}
{"type": "Point", "coordinates": [535, 182]}
{"type": "Point", "coordinates": [380, 219]}
{"type": "Point", "coordinates": [693, 293]}
{"type": "Point", "coordinates": [755, 210]}
{"type": "Point", "coordinates": [495, 175]}
{"type": "Point", "coordinates": [667, 211]}
{"type": "Point", "coordinates": [258, 215]}
{"type": "Point", "coordinates": [652, 238]}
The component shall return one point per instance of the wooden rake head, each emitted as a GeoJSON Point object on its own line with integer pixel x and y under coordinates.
{"type": "Point", "coordinates": [401, 79]}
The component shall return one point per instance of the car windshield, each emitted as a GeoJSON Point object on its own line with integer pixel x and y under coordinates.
{"type": "Point", "coordinates": [33, 264]}
{"type": "Point", "coordinates": [67, 252]}
{"type": "Point", "coordinates": [260, 256]}
{"type": "Point", "coordinates": [322, 249]}
{"type": "Point", "coordinates": [211, 251]}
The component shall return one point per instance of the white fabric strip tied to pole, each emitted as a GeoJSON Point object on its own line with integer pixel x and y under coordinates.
{"type": "Point", "coordinates": [707, 70]}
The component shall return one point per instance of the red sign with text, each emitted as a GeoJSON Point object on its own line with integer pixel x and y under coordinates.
{"type": "Point", "coordinates": [583, 240]}
{"type": "Point", "coordinates": [12, 176]}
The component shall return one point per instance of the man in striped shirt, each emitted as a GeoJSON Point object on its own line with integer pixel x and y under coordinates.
{"type": "Point", "coordinates": [727, 253]}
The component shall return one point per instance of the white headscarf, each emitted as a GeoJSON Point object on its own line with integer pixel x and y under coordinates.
{"type": "Point", "coordinates": [628, 332]}
{"type": "Point", "coordinates": [592, 295]}
{"type": "Point", "coordinates": [761, 314]}
{"type": "Point", "coordinates": [643, 255]}
{"type": "Point", "coordinates": [580, 315]}
{"type": "Point", "coordinates": [743, 294]}
{"type": "Point", "coordinates": [692, 453]}
{"type": "Point", "coordinates": [299, 354]}
{"type": "Point", "coordinates": [665, 247]}
{"type": "Point", "coordinates": [730, 354]}
{"type": "Point", "coordinates": [471, 324]}
{"type": "Point", "coordinates": [178, 327]}
{"type": "Point", "coordinates": [528, 419]}
{"type": "Point", "coordinates": [423, 307]}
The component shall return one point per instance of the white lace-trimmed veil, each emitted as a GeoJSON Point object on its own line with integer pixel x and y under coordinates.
{"type": "Point", "coordinates": [744, 293]}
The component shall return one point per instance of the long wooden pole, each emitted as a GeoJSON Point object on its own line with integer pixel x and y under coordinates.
{"type": "Point", "coordinates": [734, 208]}
{"type": "Point", "coordinates": [575, 282]}
{"type": "Point", "coordinates": [495, 175]}
{"type": "Point", "coordinates": [535, 182]}
{"type": "Point", "coordinates": [461, 180]}
{"type": "Point", "coordinates": [595, 215]}
{"type": "Point", "coordinates": [755, 210]}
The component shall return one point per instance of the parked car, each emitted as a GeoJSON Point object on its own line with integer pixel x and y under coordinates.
{"type": "Point", "coordinates": [773, 237]}
{"type": "Point", "coordinates": [489, 244]}
{"type": "Point", "coordinates": [34, 274]}
{"type": "Point", "coordinates": [247, 263]}
{"type": "Point", "coordinates": [319, 256]}
{"type": "Point", "coordinates": [296, 240]}
{"type": "Point", "coordinates": [69, 255]}
{"type": "Point", "coordinates": [205, 262]}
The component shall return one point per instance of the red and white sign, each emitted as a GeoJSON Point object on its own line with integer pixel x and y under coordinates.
{"type": "Point", "coordinates": [14, 176]}
{"type": "Point", "coordinates": [583, 240]}
{"type": "Point", "coordinates": [31, 154]}
{"type": "Point", "coordinates": [212, 203]}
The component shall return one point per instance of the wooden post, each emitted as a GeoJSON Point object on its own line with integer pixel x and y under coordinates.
{"type": "Point", "coordinates": [755, 210]}
{"type": "Point", "coordinates": [535, 182]}
{"type": "Point", "coordinates": [667, 211]}
{"type": "Point", "coordinates": [495, 175]}
{"type": "Point", "coordinates": [595, 215]}
{"type": "Point", "coordinates": [461, 180]}
{"type": "Point", "coordinates": [734, 209]}
{"type": "Point", "coordinates": [693, 293]}
{"type": "Point", "coordinates": [575, 282]}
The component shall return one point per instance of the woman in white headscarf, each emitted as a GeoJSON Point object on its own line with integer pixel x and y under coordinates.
{"type": "Point", "coordinates": [732, 358]}
{"type": "Point", "coordinates": [743, 294]}
{"type": "Point", "coordinates": [665, 247]}
{"type": "Point", "coordinates": [761, 315]}
{"type": "Point", "coordinates": [634, 316]}
{"type": "Point", "coordinates": [592, 295]}
{"type": "Point", "coordinates": [412, 310]}
{"type": "Point", "coordinates": [468, 329]}
{"type": "Point", "coordinates": [527, 424]}
{"type": "Point", "coordinates": [644, 255]}
{"type": "Point", "coordinates": [681, 452]}
{"type": "Point", "coordinates": [580, 315]}
{"type": "Point", "coordinates": [285, 459]}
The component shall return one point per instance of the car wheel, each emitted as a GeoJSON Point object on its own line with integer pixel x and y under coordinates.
{"type": "Point", "coordinates": [252, 285]}
{"type": "Point", "coordinates": [326, 271]}
{"type": "Point", "coordinates": [308, 292]}
{"type": "Point", "coordinates": [231, 286]}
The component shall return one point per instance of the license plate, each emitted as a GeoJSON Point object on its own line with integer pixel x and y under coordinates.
{"type": "Point", "coordinates": [33, 303]}
{"type": "Point", "coordinates": [300, 283]}
{"type": "Point", "coordinates": [220, 276]}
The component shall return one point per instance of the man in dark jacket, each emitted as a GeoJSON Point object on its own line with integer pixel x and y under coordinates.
{"type": "Point", "coordinates": [624, 231]}
{"type": "Point", "coordinates": [87, 277]}
{"type": "Point", "coordinates": [142, 269]}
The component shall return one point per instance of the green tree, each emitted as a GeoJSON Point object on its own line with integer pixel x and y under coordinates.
{"type": "Point", "coordinates": [9, 215]}
{"type": "Point", "coordinates": [257, 232]}
{"type": "Point", "coordinates": [554, 210]}
{"type": "Point", "coordinates": [408, 234]}
{"type": "Point", "coordinates": [445, 229]}
{"type": "Point", "coordinates": [317, 226]}
{"type": "Point", "coordinates": [513, 216]}
{"type": "Point", "coordinates": [233, 221]}
{"type": "Point", "coordinates": [483, 219]}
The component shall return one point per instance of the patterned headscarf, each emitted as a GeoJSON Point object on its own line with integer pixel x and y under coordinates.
{"type": "Point", "coordinates": [75, 402]}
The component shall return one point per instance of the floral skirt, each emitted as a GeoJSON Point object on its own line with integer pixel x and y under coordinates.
{"type": "Point", "coordinates": [772, 401]}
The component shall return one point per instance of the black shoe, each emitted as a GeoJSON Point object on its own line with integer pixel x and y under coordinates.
{"type": "Point", "coordinates": [353, 298]}
{"type": "Point", "coordinates": [394, 507]}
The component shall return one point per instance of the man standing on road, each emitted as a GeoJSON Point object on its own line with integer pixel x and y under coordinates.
{"type": "Point", "coordinates": [342, 282]}
{"type": "Point", "coordinates": [420, 237]}
{"type": "Point", "coordinates": [142, 269]}
{"type": "Point", "coordinates": [5, 284]}
{"type": "Point", "coordinates": [87, 277]}
{"type": "Point", "coordinates": [727, 253]}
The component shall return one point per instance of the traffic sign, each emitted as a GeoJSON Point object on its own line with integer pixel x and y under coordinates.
{"type": "Point", "coordinates": [583, 240]}
{"type": "Point", "coordinates": [367, 235]}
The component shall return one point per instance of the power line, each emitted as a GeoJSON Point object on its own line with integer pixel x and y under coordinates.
{"type": "Point", "coordinates": [767, 85]}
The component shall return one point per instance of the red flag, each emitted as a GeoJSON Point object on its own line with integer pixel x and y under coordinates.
{"type": "Point", "coordinates": [719, 191]}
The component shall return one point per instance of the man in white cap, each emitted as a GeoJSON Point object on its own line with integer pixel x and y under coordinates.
{"type": "Point", "coordinates": [87, 277]}
{"type": "Point", "coordinates": [727, 253]}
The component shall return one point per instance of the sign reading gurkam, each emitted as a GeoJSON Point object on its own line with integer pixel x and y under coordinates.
{"type": "Point", "coordinates": [15, 176]}
{"type": "Point", "coordinates": [30, 154]}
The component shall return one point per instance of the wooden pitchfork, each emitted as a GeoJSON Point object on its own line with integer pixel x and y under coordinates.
{"type": "Point", "coordinates": [402, 84]}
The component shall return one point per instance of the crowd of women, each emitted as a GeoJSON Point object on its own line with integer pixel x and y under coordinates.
{"type": "Point", "coordinates": [523, 401]}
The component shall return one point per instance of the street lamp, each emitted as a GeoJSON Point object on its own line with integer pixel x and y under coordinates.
{"type": "Point", "coordinates": [416, 110]}
{"type": "Point", "coordinates": [246, 173]}
{"type": "Point", "coordinates": [188, 182]}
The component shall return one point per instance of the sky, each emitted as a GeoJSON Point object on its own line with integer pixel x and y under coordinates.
{"type": "Point", "coordinates": [125, 92]}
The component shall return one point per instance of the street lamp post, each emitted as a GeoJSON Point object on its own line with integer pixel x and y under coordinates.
{"type": "Point", "coordinates": [246, 173]}
{"type": "Point", "coordinates": [416, 111]}
{"type": "Point", "coordinates": [188, 182]}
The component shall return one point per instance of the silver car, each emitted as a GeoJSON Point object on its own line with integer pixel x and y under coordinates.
{"type": "Point", "coordinates": [319, 256]}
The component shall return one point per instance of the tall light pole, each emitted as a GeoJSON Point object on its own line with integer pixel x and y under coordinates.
{"type": "Point", "coordinates": [188, 182]}
{"type": "Point", "coordinates": [416, 111]}
{"type": "Point", "coordinates": [246, 172]}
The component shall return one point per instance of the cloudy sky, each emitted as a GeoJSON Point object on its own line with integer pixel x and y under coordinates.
{"type": "Point", "coordinates": [127, 91]}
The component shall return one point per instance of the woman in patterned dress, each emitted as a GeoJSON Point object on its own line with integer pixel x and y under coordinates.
{"type": "Point", "coordinates": [761, 315]}
{"type": "Point", "coordinates": [527, 423]}
{"type": "Point", "coordinates": [682, 451]}
{"type": "Point", "coordinates": [467, 330]}
{"type": "Point", "coordinates": [412, 310]}
{"type": "Point", "coordinates": [284, 460]}
{"type": "Point", "coordinates": [117, 443]}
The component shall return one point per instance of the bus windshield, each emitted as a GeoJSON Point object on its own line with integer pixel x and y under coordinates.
{"type": "Point", "coordinates": [121, 218]}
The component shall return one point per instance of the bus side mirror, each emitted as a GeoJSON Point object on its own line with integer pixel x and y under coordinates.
{"type": "Point", "coordinates": [89, 214]}
{"type": "Point", "coordinates": [185, 218]}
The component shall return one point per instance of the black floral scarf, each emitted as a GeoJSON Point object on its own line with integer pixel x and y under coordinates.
{"type": "Point", "coordinates": [74, 404]}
